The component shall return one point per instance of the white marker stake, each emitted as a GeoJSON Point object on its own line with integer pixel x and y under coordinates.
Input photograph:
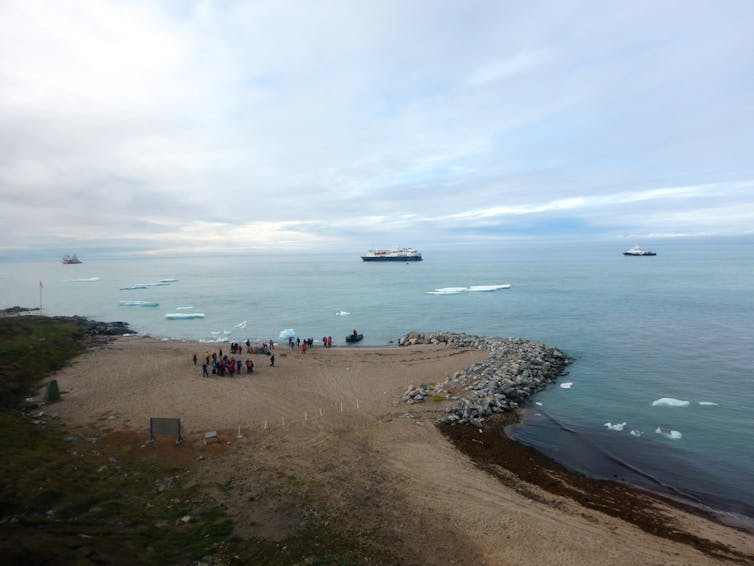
{"type": "Point", "coordinates": [320, 411]}
{"type": "Point", "coordinates": [239, 432]}
{"type": "Point", "coordinates": [265, 424]}
{"type": "Point", "coordinates": [357, 403]}
{"type": "Point", "coordinates": [305, 416]}
{"type": "Point", "coordinates": [341, 407]}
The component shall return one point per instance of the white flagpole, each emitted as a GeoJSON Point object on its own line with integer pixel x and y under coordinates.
{"type": "Point", "coordinates": [40, 295]}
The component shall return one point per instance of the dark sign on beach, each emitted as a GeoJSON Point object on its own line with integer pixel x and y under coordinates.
{"type": "Point", "coordinates": [165, 426]}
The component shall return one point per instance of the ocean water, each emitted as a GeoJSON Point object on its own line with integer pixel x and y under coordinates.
{"type": "Point", "coordinates": [679, 325]}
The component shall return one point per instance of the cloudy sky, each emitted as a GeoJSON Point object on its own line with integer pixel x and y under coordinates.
{"type": "Point", "coordinates": [204, 126]}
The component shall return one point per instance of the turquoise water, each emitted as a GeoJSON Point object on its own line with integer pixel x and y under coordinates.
{"type": "Point", "coordinates": [678, 325]}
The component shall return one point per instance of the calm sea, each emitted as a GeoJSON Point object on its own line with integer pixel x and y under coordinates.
{"type": "Point", "coordinates": [676, 326]}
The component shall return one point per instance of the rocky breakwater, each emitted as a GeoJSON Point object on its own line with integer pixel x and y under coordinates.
{"type": "Point", "coordinates": [515, 370]}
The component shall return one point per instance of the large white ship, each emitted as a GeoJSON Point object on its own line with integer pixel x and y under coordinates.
{"type": "Point", "coordinates": [395, 254]}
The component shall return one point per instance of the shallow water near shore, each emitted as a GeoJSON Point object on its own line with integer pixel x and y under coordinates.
{"type": "Point", "coordinates": [675, 326]}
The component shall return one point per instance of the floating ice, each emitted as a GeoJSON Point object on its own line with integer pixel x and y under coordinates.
{"type": "Point", "coordinates": [288, 333]}
{"type": "Point", "coordinates": [566, 385]}
{"type": "Point", "coordinates": [84, 279]}
{"type": "Point", "coordinates": [156, 284]}
{"type": "Point", "coordinates": [616, 426]}
{"type": "Point", "coordinates": [342, 313]}
{"type": "Point", "coordinates": [635, 432]}
{"type": "Point", "coordinates": [139, 286]}
{"type": "Point", "coordinates": [537, 403]}
{"type": "Point", "coordinates": [446, 291]}
{"type": "Point", "coordinates": [183, 308]}
{"type": "Point", "coordinates": [214, 332]}
{"type": "Point", "coordinates": [184, 315]}
{"type": "Point", "coordinates": [471, 289]}
{"type": "Point", "coordinates": [487, 288]}
{"type": "Point", "coordinates": [168, 280]}
{"type": "Point", "coordinates": [707, 403]}
{"type": "Point", "coordinates": [671, 434]}
{"type": "Point", "coordinates": [669, 402]}
{"type": "Point", "coordinates": [139, 304]}
{"type": "Point", "coordinates": [240, 325]}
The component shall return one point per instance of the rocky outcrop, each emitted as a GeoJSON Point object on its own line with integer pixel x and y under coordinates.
{"type": "Point", "coordinates": [97, 328]}
{"type": "Point", "coordinates": [515, 369]}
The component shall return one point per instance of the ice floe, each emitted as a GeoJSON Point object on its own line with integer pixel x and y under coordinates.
{"type": "Point", "coordinates": [669, 402]}
{"type": "Point", "coordinates": [342, 313]}
{"type": "Point", "coordinates": [487, 288]}
{"type": "Point", "coordinates": [183, 308]}
{"type": "Point", "coordinates": [635, 432]}
{"type": "Point", "coordinates": [168, 280]}
{"type": "Point", "coordinates": [566, 385]}
{"type": "Point", "coordinates": [471, 289]}
{"type": "Point", "coordinates": [241, 324]}
{"type": "Point", "coordinates": [537, 403]}
{"type": "Point", "coordinates": [287, 333]}
{"type": "Point", "coordinates": [617, 426]}
{"type": "Point", "coordinates": [671, 434]}
{"type": "Point", "coordinates": [139, 286]}
{"type": "Point", "coordinates": [184, 315]}
{"type": "Point", "coordinates": [83, 279]}
{"type": "Point", "coordinates": [707, 403]}
{"type": "Point", "coordinates": [139, 304]}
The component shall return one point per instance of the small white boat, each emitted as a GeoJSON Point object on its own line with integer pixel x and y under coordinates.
{"type": "Point", "coordinates": [637, 251]}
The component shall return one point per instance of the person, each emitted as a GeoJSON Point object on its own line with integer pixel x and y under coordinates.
{"type": "Point", "coordinates": [355, 332]}
{"type": "Point", "coordinates": [272, 361]}
{"type": "Point", "coordinates": [204, 370]}
{"type": "Point", "coordinates": [249, 366]}
{"type": "Point", "coordinates": [194, 359]}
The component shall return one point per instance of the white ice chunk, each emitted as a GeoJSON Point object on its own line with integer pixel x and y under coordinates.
{"type": "Point", "coordinates": [707, 403]}
{"type": "Point", "coordinates": [635, 432]}
{"type": "Point", "coordinates": [616, 426]}
{"type": "Point", "coordinates": [287, 333]}
{"type": "Point", "coordinates": [669, 402]}
{"type": "Point", "coordinates": [241, 324]}
{"type": "Point", "coordinates": [184, 315]}
{"type": "Point", "coordinates": [566, 385]}
{"type": "Point", "coordinates": [446, 291]}
{"type": "Point", "coordinates": [671, 434]}
{"type": "Point", "coordinates": [342, 313]}
{"type": "Point", "coordinates": [168, 280]}
{"type": "Point", "coordinates": [487, 288]}
{"type": "Point", "coordinates": [84, 279]}
{"type": "Point", "coordinates": [183, 308]}
{"type": "Point", "coordinates": [139, 304]}
{"type": "Point", "coordinates": [538, 403]}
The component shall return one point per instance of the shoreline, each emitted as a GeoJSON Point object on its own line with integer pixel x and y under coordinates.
{"type": "Point", "coordinates": [401, 454]}
{"type": "Point", "coordinates": [492, 449]}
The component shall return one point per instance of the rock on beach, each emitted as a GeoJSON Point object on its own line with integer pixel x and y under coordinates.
{"type": "Point", "coordinates": [515, 369]}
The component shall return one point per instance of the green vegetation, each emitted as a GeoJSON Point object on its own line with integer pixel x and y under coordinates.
{"type": "Point", "coordinates": [67, 496]}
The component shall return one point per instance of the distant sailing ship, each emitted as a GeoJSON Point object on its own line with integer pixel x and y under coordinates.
{"type": "Point", "coordinates": [69, 259]}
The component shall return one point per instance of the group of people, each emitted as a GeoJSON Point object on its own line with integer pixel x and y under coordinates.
{"type": "Point", "coordinates": [308, 343]}
{"type": "Point", "coordinates": [223, 365]}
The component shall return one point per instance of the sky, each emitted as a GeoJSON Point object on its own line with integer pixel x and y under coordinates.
{"type": "Point", "coordinates": [203, 127]}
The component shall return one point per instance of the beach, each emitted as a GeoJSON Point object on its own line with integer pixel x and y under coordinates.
{"type": "Point", "coordinates": [334, 420]}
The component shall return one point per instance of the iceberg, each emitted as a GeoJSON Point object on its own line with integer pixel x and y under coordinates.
{"type": "Point", "coordinates": [488, 288]}
{"type": "Point", "coordinates": [342, 313]}
{"type": "Point", "coordinates": [139, 304]}
{"type": "Point", "coordinates": [446, 291]}
{"type": "Point", "coordinates": [671, 434]}
{"type": "Point", "coordinates": [617, 426]}
{"type": "Point", "coordinates": [707, 403]}
{"type": "Point", "coordinates": [566, 385]}
{"type": "Point", "coordinates": [635, 432]}
{"type": "Point", "coordinates": [669, 402]}
{"type": "Point", "coordinates": [168, 280]}
{"type": "Point", "coordinates": [184, 315]}
{"type": "Point", "coordinates": [287, 333]}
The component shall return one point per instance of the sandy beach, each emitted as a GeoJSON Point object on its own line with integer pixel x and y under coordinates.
{"type": "Point", "coordinates": [335, 418]}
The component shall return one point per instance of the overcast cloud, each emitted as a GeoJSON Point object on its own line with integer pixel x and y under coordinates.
{"type": "Point", "coordinates": [204, 126]}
